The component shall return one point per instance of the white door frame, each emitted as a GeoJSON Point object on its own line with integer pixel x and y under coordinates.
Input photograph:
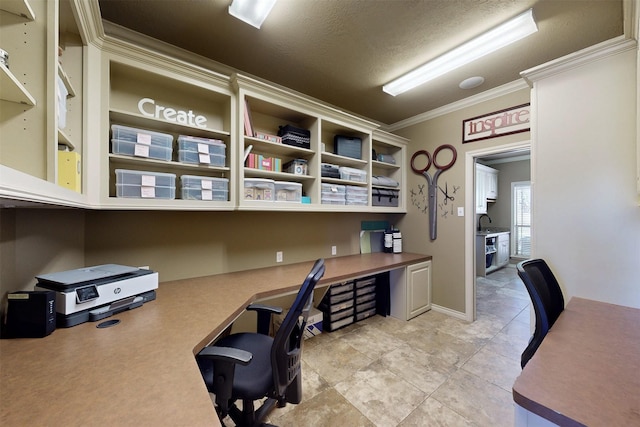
{"type": "Point", "coordinates": [470, 219]}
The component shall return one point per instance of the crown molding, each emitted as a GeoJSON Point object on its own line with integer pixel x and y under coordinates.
{"type": "Point", "coordinates": [577, 59]}
{"type": "Point", "coordinates": [459, 105]}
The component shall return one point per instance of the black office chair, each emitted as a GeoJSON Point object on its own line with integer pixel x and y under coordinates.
{"type": "Point", "coordinates": [250, 366]}
{"type": "Point", "coordinates": [547, 300]}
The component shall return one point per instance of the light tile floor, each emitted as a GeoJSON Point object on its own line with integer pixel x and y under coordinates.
{"type": "Point", "coordinates": [434, 370]}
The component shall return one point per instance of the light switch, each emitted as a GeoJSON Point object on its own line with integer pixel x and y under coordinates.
{"type": "Point", "coordinates": [461, 211]}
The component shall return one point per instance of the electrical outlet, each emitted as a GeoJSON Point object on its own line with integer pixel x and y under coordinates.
{"type": "Point", "coordinates": [334, 250]}
{"type": "Point", "coordinates": [460, 211]}
{"type": "Point", "coordinates": [279, 256]}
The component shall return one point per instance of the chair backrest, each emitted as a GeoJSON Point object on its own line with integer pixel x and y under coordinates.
{"type": "Point", "coordinates": [287, 343]}
{"type": "Point", "coordinates": [546, 297]}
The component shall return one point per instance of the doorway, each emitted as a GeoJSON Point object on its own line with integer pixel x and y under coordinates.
{"type": "Point", "coordinates": [514, 161]}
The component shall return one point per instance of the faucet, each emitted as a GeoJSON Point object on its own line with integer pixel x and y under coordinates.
{"type": "Point", "coordinates": [480, 218]}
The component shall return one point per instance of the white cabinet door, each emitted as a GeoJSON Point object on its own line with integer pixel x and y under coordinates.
{"type": "Point", "coordinates": [410, 289]}
{"type": "Point", "coordinates": [481, 199]}
{"type": "Point", "coordinates": [486, 187]}
{"type": "Point", "coordinates": [418, 288]}
{"type": "Point", "coordinates": [491, 184]}
{"type": "Point", "coordinates": [503, 250]}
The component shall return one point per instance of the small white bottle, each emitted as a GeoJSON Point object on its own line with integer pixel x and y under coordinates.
{"type": "Point", "coordinates": [397, 241]}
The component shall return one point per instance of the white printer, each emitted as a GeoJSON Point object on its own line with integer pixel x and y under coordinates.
{"type": "Point", "coordinates": [94, 293]}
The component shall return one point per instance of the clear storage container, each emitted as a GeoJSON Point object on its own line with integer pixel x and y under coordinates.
{"type": "Point", "coordinates": [135, 149]}
{"type": "Point", "coordinates": [333, 188]}
{"type": "Point", "coordinates": [357, 195]}
{"type": "Point", "coordinates": [204, 188]}
{"type": "Point", "coordinates": [352, 174]}
{"type": "Point", "coordinates": [193, 157]}
{"type": "Point", "coordinates": [259, 189]}
{"type": "Point", "coordinates": [360, 200]}
{"type": "Point", "coordinates": [201, 145]}
{"type": "Point", "coordinates": [141, 136]}
{"type": "Point", "coordinates": [145, 185]}
{"type": "Point", "coordinates": [288, 191]}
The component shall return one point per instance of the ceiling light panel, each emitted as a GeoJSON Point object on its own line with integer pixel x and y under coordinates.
{"type": "Point", "coordinates": [253, 12]}
{"type": "Point", "coordinates": [511, 31]}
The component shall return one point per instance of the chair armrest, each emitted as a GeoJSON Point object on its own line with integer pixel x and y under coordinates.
{"type": "Point", "coordinates": [219, 370]}
{"type": "Point", "coordinates": [264, 316]}
{"type": "Point", "coordinates": [226, 354]}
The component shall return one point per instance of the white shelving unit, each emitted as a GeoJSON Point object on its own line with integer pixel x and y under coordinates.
{"type": "Point", "coordinates": [271, 107]}
{"type": "Point", "coordinates": [12, 89]}
{"type": "Point", "coordinates": [105, 81]}
{"type": "Point", "coordinates": [18, 7]}
{"type": "Point", "coordinates": [166, 86]}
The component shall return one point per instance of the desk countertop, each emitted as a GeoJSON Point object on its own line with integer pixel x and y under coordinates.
{"type": "Point", "coordinates": [586, 372]}
{"type": "Point", "coordinates": [143, 371]}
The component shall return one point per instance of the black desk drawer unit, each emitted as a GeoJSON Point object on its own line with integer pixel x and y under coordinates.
{"type": "Point", "coordinates": [348, 302]}
{"type": "Point", "coordinates": [337, 306]}
{"type": "Point", "coordinates": [365, 295]}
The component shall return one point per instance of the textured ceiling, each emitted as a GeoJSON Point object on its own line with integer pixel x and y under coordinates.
{"type": "Point", "coordinates": [343, 51]}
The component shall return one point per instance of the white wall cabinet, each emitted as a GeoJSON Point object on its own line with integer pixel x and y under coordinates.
{"type": "Point", "coordinates": [486, 187]}
{"type": "Point", "coordinates": [410, 290]}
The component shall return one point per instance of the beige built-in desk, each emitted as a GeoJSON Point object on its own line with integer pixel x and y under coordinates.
{"type": "Point", "coordinates": [586, 372]}
{"type": "Point", "coordinates": [142, 371]}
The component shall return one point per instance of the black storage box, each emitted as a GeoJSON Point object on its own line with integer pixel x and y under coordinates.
{"type": "Point", "coordinates": [30, 314]}
{"type": "Point", "coordinates": [328, 170]}
{"type": "Point", "coordinates": [384, 197]}
{"type": "Point", "coordinates": [347, 146]}
{"type": "Point", "coordinates": [295, 136]}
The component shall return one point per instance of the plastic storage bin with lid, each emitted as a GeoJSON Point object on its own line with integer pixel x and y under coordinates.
{"type": "Point", "coordinates": [130, 141]}
{"type": "Point", "coordinates": [356, 195]}
{"type": "Point", "coordinates": [192, 149]}
{"type": "Point", "coordinates": [333, 194]}
{"type": "Point", "coordinates": [204, 188]}
{"type": "Point", "coordinates": [259, 189]}
{"type": "Point", "coordinates": [352, 174]}
{"type": "Point", "coordinates": [288, 191]}
{"type": "Point", "coordinates": [146, 185]}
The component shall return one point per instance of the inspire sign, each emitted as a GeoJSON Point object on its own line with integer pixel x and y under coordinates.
{"type": "Point", "coordinates": [500, 123]}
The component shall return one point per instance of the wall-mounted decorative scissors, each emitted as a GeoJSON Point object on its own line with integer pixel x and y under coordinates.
{"type": "Point", "coordinates": [433, 182]}
{"type": "Point", "coordinates": [445, 193]}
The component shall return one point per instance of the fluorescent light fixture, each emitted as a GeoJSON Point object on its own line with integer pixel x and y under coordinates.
{"type": "Point", "coordinates": [518, 28]}
{"type": "Point", "coordinates": [253, 12]}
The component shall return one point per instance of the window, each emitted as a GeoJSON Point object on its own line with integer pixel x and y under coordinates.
{"type": "Point", "coordinates": [521, 212]}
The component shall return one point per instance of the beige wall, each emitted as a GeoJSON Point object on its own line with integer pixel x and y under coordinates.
{"type": "Point", "coordinates": [176, 244]}
{"type": "Point", "coordinates": [36, 241]}
{"type": "Point", "coordinates": [448, 249]}
{"type": "Point", "coordinates": [586, 219]}
{"type": "Point", "coordinates": [191, 244]}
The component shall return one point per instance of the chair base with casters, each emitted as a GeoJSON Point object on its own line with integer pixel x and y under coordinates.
{"type": "Point", "coordinates": [546, 298]}
{"type": "Point", "coordinates": [251, 366]}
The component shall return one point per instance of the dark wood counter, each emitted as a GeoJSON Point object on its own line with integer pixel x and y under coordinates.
{"type": "Point", "coordinates": [586, 372]}
{"type": "Point", "coordinates": [143, 371]}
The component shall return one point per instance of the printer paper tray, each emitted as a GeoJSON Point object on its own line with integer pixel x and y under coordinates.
{"type": "Point", "coordinates": [97, 313]}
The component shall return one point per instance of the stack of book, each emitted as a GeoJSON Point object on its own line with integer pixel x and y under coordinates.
{"type": "Point", "coordinates": [250, 131]}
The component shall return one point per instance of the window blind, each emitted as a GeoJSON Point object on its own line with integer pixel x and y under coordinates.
{"type": "Point", "coordinates": [522, 219]}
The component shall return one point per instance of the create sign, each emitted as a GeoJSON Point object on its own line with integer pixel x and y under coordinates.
{"type": "Point", "coordinates": [149, 108]}
{"type": "Point", "coordinates": [500, 123]}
